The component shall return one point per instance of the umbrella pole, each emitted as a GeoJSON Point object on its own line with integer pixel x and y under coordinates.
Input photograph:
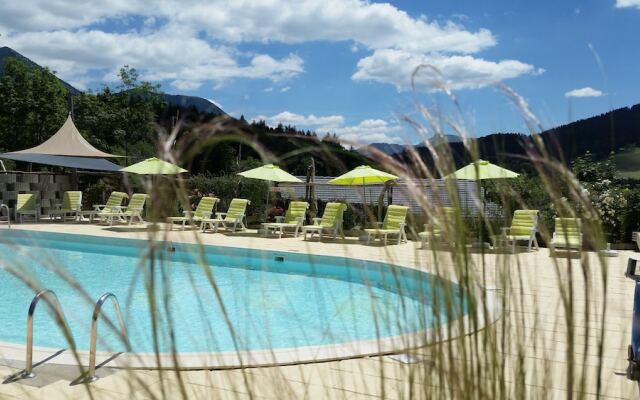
{"type": "Point", "coordinates": [364, 208]}
{"type": "Point", "coordinates": [266, 206]}
{"type": "Point", "coordinates": [479, 219]}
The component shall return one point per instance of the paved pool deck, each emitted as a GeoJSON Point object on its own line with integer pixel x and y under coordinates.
{"type": "Point", "coordinates": [539, 309]}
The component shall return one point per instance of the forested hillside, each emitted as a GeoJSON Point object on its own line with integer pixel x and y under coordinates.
{"type": "Point", "coordinates": [600, 135]}
{"type": "Point", "coordinates": [126, 120]}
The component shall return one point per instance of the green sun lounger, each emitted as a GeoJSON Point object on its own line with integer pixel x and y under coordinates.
{"type": "Point", "coordinates": [331, 222]}
{"type": "Point", "coordinates": [26, 205]}
{"type": "Point", "coordinates": [132, 212]}
{"type": "Point", "coordinates": [524, 226]}
{"type": "Point", "coordinates": [113, 205]}
{"type": "Point", "coordinates": [437, 229]}
{"type": "Point", "coordinates": [70, 206]}
{"type": "Point", "coordinates": [568, 234]}
{"type": "Point", "coordinates": [292, 219]}
{"type": "Point", "coordinates": [5, 218]}
{"type": "Point", "coordinates": [393, 224]}
{"type": "Point", "coordinates": [234, 217]}
{"type": "Point", "coordinates": [203, 211]}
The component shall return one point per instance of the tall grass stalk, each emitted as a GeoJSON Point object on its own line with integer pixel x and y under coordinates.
{"type": "Point", "coordinates": [535, 324]}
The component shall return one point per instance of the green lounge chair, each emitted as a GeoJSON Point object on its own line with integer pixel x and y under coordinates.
{"type": "Point", "coordinates": [524, 226]}
{"type": "Point", "coordinates": [113, 205]}
{"type": "Point", "coordinates": [330, 222]}
{"type": "Point", "coordinates": [5, 218]}
{"type": "Point", "coordinates": [26, 205]}
{"type": "Point", "coordinates": [437, 229]}
{"type": "Point", "coordinates": [235, 216]}
{"type": "Point", "coordinates": [292, 219]}
{"type": "Point", "coordinates": [70, 207]}
{"type": "Point", "coordinates": [203, 211]}
{"type": "Point", "coordinates": [133, 211]}
{"type": "Point", "coordinates": [393, 224]}
{"type": "Point", "coordinates": [568, 234]}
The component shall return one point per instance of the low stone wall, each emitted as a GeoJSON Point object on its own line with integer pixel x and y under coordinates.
{"type": "Point", "coordinates": [48, 188]}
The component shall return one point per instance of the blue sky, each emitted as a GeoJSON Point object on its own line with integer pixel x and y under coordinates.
{"type": "Point", "coordinates": [344, 66]}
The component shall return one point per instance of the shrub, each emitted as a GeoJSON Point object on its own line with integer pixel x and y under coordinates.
{"type": "Point", "coordinates": [232, 186]}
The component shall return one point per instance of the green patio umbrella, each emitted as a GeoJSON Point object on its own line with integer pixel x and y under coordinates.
{"type": "Point", "coordinates": [361, 176]}
{"type": "Point", "coordinates": [481, 170]}
{"type": "Point", "coordinates": [270, 172]}
{"type": "Point", "coordinates": [153, 166]}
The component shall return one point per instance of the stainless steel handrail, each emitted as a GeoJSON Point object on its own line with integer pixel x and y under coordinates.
{"type": "Point", "coordinates": [91, 376]}
{"type": "Point", "coordinates": [28, 370]}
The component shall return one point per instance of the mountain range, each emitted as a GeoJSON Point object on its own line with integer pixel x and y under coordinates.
{"type": "Point", "coordinates": [611, 132]}
{"type": "Point", "coordinates": [616, 133]}
{"type": "Point", "coordinates": [201, 105]}
{"type": "Point", "coordinates": [393, 149]}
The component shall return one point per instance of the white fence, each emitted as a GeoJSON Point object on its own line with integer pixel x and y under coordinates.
{"type": "Point", "coordinates": [434, 191]}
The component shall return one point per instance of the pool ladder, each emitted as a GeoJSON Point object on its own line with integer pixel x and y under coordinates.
{"type": "Point", "coordinates": [91, 375]}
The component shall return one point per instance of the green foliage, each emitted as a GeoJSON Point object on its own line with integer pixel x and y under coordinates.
{"type": "Point", "coordinates": [230, 185]}
{"type": "Point", "coordinates": [631, 215]}
{"type": "Point", "coordinates": [121, 121]}
{"type": "Point", "coordinates": [607, 193]}
{"type": "Point", "coordinates": [616, 203]}
{"type": "Point", "coordinates": [524, 192]}
{"type": "Point", "coordinates": [33, 105]}
{"type": "Point", "coordinates": [293, 150]}
{"type": "Point", "coordinates": [97, 192]}
{"type": "Point", "coordinates": [587, 169]}
{"type": "Point", "coordinates": [627, 162]}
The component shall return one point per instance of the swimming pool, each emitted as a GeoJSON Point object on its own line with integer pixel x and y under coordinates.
{"type": "Point", "coordinates": [211, 299]}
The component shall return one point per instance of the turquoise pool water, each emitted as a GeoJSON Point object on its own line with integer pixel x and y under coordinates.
{"type": "Point", "coordinates": [207, 299]}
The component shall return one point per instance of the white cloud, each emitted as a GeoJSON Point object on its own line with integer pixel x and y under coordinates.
{"type": "Point", "coordinates": [35, 15]}
{"type": "Point", "coordinates": [374, 25]}
{"type": "Point", "coordinates": [186, 85]}
{"type": "Point", "coordinates": [366, 131]}
{"type": "Point", "coordinates": [627, 3]}
{"type": "Point", "coordinates": [188, 42]}
{"type": "Point", "coordinates": [454, 72]}
{"type": "Point", "coordinates": [303, 121]}
{"type": "Point", "coordinates": [371, 131]}
{"type": "Point", "coordinates": [584, 92]}
{"type": "Point", "coordinates": [285, 89]}
{"type": "Point", "coordinates": [166, 54]}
